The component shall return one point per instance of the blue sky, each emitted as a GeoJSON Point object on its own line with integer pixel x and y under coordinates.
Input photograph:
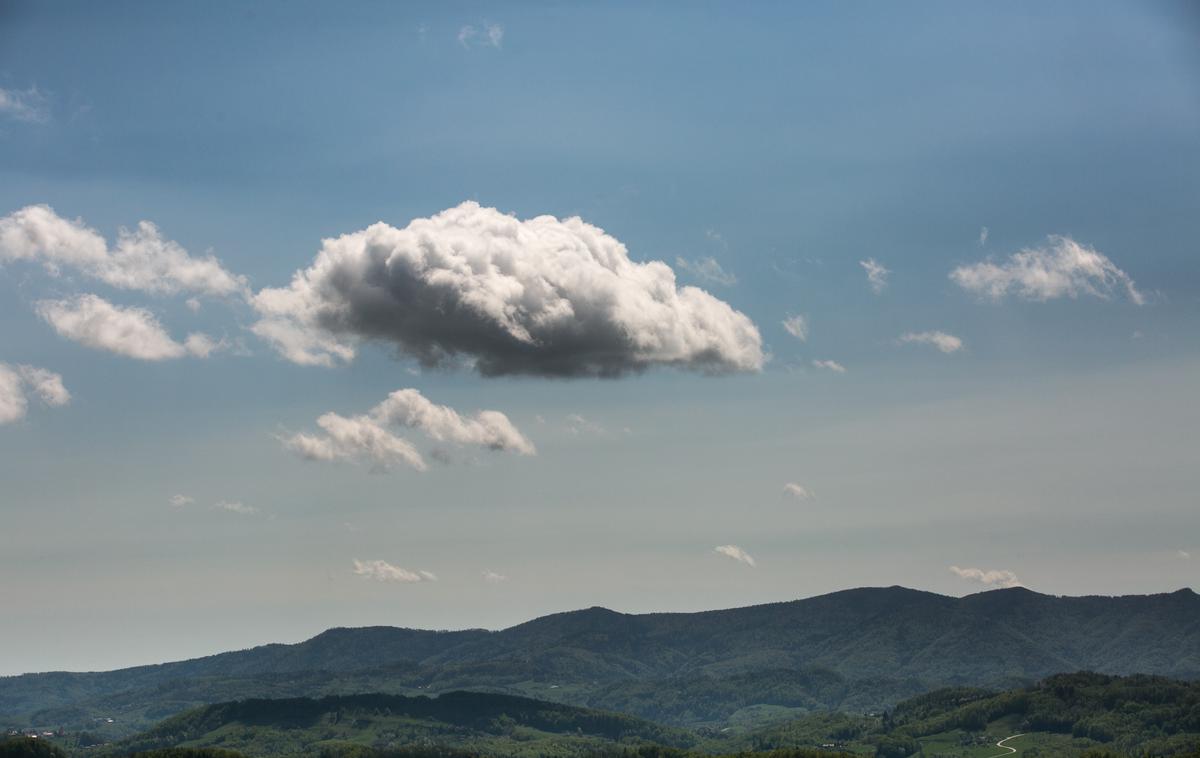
{"type": "Point", "coordinates": [785, 144]}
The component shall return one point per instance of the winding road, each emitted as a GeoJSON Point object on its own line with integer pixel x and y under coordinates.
{"type": "Point", "coordinates": [1011, 750]}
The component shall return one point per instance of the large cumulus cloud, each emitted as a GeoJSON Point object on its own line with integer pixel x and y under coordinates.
{"type": "Point", "coordinates": [543, 296]}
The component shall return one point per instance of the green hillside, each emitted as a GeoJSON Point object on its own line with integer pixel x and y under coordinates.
{"type": "Point", "coordinates": [1069, 715]}
{"type": "Point", "coordinates": [497, 724]}
{"type": "Point", "coordinates": [1137, 715]}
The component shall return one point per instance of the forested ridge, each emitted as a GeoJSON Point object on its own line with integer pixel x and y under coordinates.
{"type": "Point", "coordinates": [859, 650]}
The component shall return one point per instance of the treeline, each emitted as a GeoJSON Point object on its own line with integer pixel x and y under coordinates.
{"type": "Point", "coordinates": [461, 712]}
{"type": "Point", "coordinates": [23, 747]}
{"type": "Point", "coordinates": [708, 699]}
{"type": "Point", "coordinates": [1134, 715]}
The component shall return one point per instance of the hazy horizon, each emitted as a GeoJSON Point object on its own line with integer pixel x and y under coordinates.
{"type": "Point", "coordinates": [310, 635]}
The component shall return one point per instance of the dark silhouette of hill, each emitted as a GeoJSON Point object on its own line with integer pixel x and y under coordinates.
{"type": "Point", "coordinates": [858, 649]}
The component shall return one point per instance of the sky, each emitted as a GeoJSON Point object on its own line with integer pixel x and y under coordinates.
{"type": "Point", "coordinates": [450, 315]}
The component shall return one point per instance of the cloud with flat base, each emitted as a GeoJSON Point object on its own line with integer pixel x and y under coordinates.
{"type": "Point", "coordinates": [369, 437]}
{"type": "Point", "coordinates": [473, 286]}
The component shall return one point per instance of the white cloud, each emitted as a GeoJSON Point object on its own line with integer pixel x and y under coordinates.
{"type": "Point", "coordinates": [16, 381]}
{"type": "Point", "coordinates": [382, 571]}
{"type": "Point", "coordinates": [544, 296]}
{"type": "Point", "coordinates": [983, 236]}
{"type": "Point", "coordinates": [201, 345]}
{"type": "Point", "coordinates": [491, 577]}
{"type": "Point", "coordinates": [47, 385]}
{"type": "Point", "coordinates": [707, 269]}
{"type": "Point", "coordinates": [1183, 555]}
{"type": "Point", "coordinates": [30, 105]}
{"type": "Point", "coordinates": [141, 260]}
{"type": "Point", "coordinates": [736, 553]}
{"type": "Point", "coordinates": [301, 345]}
{"type": "Point", "coordinates": [12, 396]}
{"type": "Point", "coordinates": [876, 274]}
{"type": "Point", "coordinates": [193, 304]}
{"type": "Point", "coordinates": [947, 343]}
{"type": "Point", "coordinates": [367, 437]}
{"type": "Point", "coordinates": [833, 366]}
{"type": "Point", "coordinates": [797, 326]}
{"type": "Point", "coordinates": [798, 491]}
{"type": "Point", "coordinates": [491, 35]}
{"type": "Point", "coordinates": [1061, 267]}
{"type": "Point", "coordinates": [179, 501]}
{"type": "Point", "coordinates": [490, 429]}
{"type": "Point", "coordinates": [988, 577]}
{"type": "Point", "coordinates": [354, 439]}
{"type": "Point", "coordinates": [235, 506]}
{"type": "Point", "coordinates": [94, 322]}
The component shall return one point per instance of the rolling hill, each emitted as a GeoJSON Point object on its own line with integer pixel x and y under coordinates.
{"type": "Point", "coordinates": [475, 721]}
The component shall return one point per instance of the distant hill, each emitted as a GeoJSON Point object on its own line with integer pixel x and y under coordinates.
{"type": "Point", "coordinates": [857, 650]}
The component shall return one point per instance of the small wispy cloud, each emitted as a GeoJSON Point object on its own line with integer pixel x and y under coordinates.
{"type": "Point", "coordinates": [877, 274]}
{"type": "Point", "coordinates": [382, 571]}
{"type": "Point", "coordinates": [491, 577]}
{"type": "Point", "coordinates": [1000, 578]}
{"type": "Point", "coordinates": [947, 343]}
{"type": "Point", "coordinates": [1061, 267]}
{"type": "Point", "coordinates": [828, 365]}
{"type": "Point", "coordinates": [798, 491]}
{"type": "Point", "coordinates": [179, 501]}
{"type": "Point", "coordinates": [484, 35]}
{"type": "Point", "coordinates": [16, 382]}
{"type": "Point", "coordinates": [707, 269]}
{"type": "Point", "coordinates": [579, 425]}
{"type": "Point", "coordinates": [797, 326]}
{"type": "Point", "coordinates": [983, 235]}
{"type": "Point", "coordinates": [736, 553]}
{"type": "Point", "coordinates": [717, 237]}
{"type": "Point", "coordinates": [29, 106]}
{"type": "Point", "coordinates": [1183, 555]}
{"type": "Point", "coordinates": [235, 506]}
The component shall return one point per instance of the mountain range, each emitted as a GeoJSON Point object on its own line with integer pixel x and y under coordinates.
{"type": "Point", "coordinates": [857, 650]}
